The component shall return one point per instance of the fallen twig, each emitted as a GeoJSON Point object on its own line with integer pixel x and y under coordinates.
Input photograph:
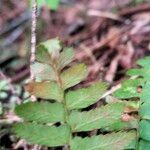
{"type": "Point", "coordinates": [136, 9]}
{"type": "Point", "coordinates": [104, 15]}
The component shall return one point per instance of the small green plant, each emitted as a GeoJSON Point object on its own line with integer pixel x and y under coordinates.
{"type": "Point", "coordinates": [138, 90]}
{"type": "Point", "coordinates": [53, 4]}
{"type": "Point", "coordinates": [63, 116]}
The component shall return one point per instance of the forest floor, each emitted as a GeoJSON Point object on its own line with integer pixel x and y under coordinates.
{"type": "Point", "coordinates": [108, 35]}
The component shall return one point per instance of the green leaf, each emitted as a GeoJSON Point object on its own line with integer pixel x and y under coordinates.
{"type": "Point", "coordinates": [144, 145]}
{"type": "Point", "coordinates": [122, 125]}
{"type": "Point", "coordinates": [43, 71]}
{"type": "Point", "coordinates": [144, 129]}
{"type": "Point", "coordinates": [53, 4]}
{"type": "Point", "coordinates": [113, 141]}
{"type": "Point", "coordinates": [42, 134]}
{"type": "Point", "coordinates": [42, 54]}
{"type": "Point", "coordinates": [145, 111]}
{"type": "Point", "coordinates": [41, 2]}
{"type": "Point", "coordinates": [66, 56]}
{"type": "Point", "coordinates": [145, 95]}
{"type": "Point", "coordinates": [98, 118]}
{"type": "Point", "coordinates": [84, 97]}
{"type": "Point", "coordinates": [41, 112]}
{"type": "Point", "coordinates": [73, 75]}
{"type": "Point", "coordinates": [144, 62]}
{"type": "Point", "coordinates": [134, 72]}
{"type": "Point", "coordinates": [46, 90]}
{"type": "Point", "coordinates": [129, 89]}
{"type": "Point", "coordinates": [47, 51]}
{"type": "Point", "coordinates": [143, 72]}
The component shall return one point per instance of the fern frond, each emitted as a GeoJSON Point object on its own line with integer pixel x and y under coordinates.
{"type": "Point", "coordinates": [55, 123]}
{"type": "Point", "coordinates": [43, 71]}
{"type": "Point", "coordinates": [84, 97]}
{"type": "Point", "coordinates": [144, 129]}
{"type": "Point", "coordinates": [97, 118]}
{"type": "Point", "coordinates": [144, 62]}
{"type": "Point", "coordinates": [66, 57]}
{"type": "Point", "coordinates": [130, 90]}
{"type": "Point", "coordinates": [42, 134]}
{"type": "Point", "coordinates": [113, 141]}
{"type": "Point", "coordinates": [45, 90]}
{"type": "Point", "coordinates": [121, 125]}
{"type": "Point", "coordinates": [41, 112]}
{"type": "Point", "coordinates": [145, 111]}
{"type": "Point", "coordinates": [144, 145]}
{"type": "Point", "coordinates": [48, 50]}
{"type": "Point", "coordinates": [73, 75]}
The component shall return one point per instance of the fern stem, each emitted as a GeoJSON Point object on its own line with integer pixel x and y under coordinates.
{"type": "Point", "coordinates": [33, 35]}
{"type": "Point", "coordinates": [67, 112]}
